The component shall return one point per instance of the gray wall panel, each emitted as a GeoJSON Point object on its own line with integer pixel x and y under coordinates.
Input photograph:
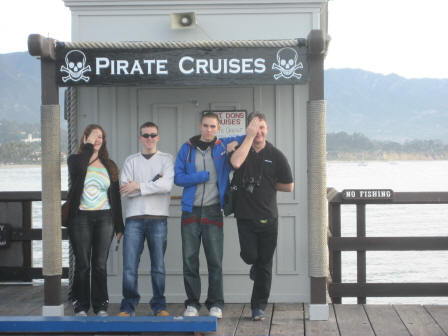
{"type": "Point", "coordinates": [286, 256]}
{"type": "Point", "coordinates": [121, 110]}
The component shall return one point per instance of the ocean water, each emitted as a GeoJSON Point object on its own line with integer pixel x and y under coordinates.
{"type": "Point", "coordinates": [381, 220]}
{"type": "Point", "coordinates": [395, 220]}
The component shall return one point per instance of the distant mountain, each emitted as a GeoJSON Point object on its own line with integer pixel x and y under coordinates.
{"type": "Point", "coordinates": [19, 87]}
{"type": "Point", "coordinates": [386, 107]}
{"type": "Point", "coordinates": [380, 107]}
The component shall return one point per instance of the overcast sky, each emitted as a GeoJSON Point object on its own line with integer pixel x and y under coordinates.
{"type": "Point", "coordinates": [406, 37]}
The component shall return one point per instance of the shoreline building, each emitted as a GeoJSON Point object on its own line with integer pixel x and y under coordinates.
{"type": "Point", "coordinates": [30, 139]}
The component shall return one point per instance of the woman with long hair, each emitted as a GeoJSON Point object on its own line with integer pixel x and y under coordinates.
{"type": "Point", "coordinates": [95, 214]}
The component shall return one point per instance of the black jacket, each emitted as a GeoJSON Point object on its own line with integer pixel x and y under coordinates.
{"type": "Point", "coordinates": [77, 169]}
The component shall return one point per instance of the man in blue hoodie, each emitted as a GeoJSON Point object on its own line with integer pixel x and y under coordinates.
{"type": "Point", "coordinates": [202, 168]}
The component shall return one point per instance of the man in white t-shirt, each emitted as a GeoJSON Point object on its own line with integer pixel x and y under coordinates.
{"type": "Point", "coordinates": [146, 182]}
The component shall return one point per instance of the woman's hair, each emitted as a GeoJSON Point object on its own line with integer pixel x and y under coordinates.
{"type": "Point", "coordinates": [103, 154]}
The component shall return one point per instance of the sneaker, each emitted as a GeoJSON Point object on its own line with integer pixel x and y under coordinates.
{"type": "Point", "coordinates": [191, 311]}
{"type": "Point", "coordinates": [102, 313]}
{"type": "Point", "coordinates": [216, 312]}
{"type": "Point", "coordinates": [257, 314]}
{"type": "Point", "coordinates": [162, 312]}
{"type": "Point", "coordinates": [126, 314]}
{"type": "Point", "coordinates": [252, 273]}
{"type": "Point", "coordinates": [81, 313]}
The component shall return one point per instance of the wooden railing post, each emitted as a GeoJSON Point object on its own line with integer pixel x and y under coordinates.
{"type": "Point", "coordinates": [27, 245]}
{"type": "Point", "coordinates": [361, 255]}
{"type": "Point", "coordinates": [335, 261]}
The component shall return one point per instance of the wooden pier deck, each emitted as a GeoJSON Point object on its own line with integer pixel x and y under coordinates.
{"type": "Point", "coordinates": [281, 319]}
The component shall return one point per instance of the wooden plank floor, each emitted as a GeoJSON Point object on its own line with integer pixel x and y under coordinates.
{"type": "Point", "coordinates": [282, 319]}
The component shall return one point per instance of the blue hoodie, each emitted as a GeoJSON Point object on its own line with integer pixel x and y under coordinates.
{"type": "Point", "coordinates": [186, 175]}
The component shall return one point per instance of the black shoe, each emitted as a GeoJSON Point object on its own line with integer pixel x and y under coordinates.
{"type": "Point", "coordinates": [252, 273]}
{"type": "Point", "coordinates": [257, 314]}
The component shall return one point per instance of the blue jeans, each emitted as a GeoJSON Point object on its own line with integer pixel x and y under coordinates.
{"type": "Point", "coordinates": [203, 224]}
{"type": "Point", "coordinates": [135, 232]}
{"type": "Point", "coordinates": [91, 234]}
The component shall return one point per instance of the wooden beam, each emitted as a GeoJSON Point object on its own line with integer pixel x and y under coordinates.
{"type": "Point", "coordinates": [388, 289]}
{"type": "Point", "coordinates": [32, 234]}
{"type": "Point", "coordinates": [16, 273]}
{"type": "Point", "coordinates": [429, 197]}
{"type": "Point", "coordinates": [388, 243]}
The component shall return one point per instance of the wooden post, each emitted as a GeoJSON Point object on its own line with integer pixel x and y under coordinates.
{"type": "Point", "coordinates": [337, 266]}
{"type": "Point", "coordinates": [317, 200]}
{"type": "Point", "coordinates": [361, 255]}
{"type": "Point", "coordinates": [51, 175]}
{"type": "Point", "coordinates": [27, 245]}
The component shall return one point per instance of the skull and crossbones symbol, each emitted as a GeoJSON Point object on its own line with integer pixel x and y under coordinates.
{"type": "Point", "coordinates": [75, 66]}
{"type": "Point", "coordinates": [287, 64]}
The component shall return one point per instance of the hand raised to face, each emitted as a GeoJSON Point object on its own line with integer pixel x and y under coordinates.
{"type": "Point", "coordinates": [92, 136]}
{"type": "Point", "coordinates": [252, 128]}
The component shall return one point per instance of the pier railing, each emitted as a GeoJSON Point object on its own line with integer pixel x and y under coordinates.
{"type": "Point", "coordinates": [17, 235]}
{"type": "Point", "coordinates": [336, 244]}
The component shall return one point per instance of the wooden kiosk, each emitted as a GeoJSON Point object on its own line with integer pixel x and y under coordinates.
{"type": "Point", "coordinates": [226, 60]}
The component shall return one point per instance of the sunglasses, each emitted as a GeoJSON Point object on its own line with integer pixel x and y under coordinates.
{"type": "Point", "coordinates": [146, 135]}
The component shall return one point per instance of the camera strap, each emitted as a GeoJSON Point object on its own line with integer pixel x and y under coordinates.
{"type": "Point", "coordinates": [247, 173]}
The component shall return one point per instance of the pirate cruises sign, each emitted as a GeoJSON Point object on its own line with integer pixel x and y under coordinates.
{"type": "Point", "coordinates": [181, 66]}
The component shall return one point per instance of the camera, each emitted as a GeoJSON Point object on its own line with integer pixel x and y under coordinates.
{"type": "Point", "coordinates": [249, 183]}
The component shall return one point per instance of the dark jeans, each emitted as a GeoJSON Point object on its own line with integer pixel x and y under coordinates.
{"type": "Point", "coordinates": [136, 231]}
{"type": "Point", "coordinates": [258, 240]}
{"type": "Point", "coordinates": [91, 234]}
{"type": "Point", "coordinates": [203, 224]}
